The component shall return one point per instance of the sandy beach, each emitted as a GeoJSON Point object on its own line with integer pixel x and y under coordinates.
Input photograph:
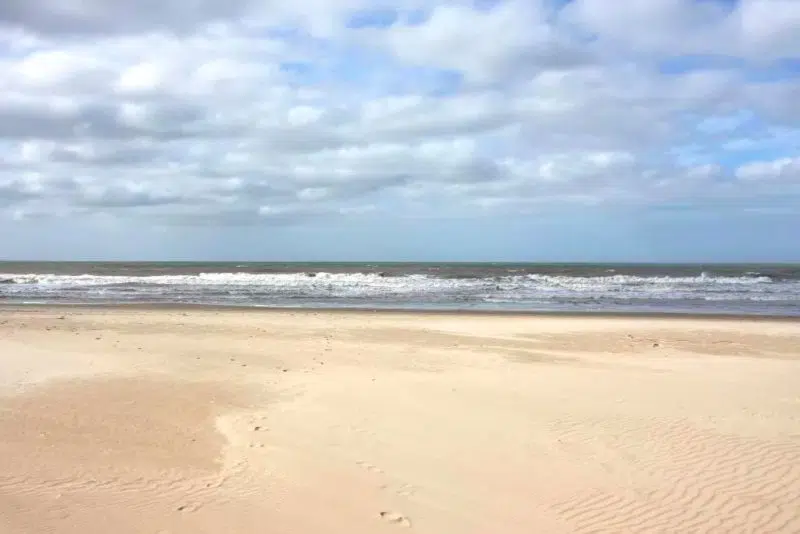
{"type": "Point", "coordinates": [179, 421]}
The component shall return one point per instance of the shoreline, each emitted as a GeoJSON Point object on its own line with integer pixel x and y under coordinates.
{"type": "Point", "coordinates": [677, 315]}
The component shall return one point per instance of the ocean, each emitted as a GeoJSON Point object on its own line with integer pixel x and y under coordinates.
{"type": "Point", "coordinates": [751, 289]}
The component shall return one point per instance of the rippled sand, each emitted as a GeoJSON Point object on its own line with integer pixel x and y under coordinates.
{"type": "Point", "coordinates": [210, 421]}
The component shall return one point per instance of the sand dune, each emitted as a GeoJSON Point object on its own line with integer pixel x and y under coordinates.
{"type": "Point", "coordinates": [216, 421]}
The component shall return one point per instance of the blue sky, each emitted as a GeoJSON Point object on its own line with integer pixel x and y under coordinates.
{"type": "Point", "coordinates": [520, 130]}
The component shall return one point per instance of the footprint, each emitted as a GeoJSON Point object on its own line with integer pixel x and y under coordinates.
{"type": "Point", "coordinates": [396, 519]}
{"type": "Point", "coordinates": [369, 467]}
{"type": "Point", "coordinates": [406, 490]}
{"type": "Point", "coordinates": [191, 507]}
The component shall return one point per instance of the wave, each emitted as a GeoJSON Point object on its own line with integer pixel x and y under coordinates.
{"type": "Point", "coordinates": [323, 278]}
{"type": "Point", "coordinates": [742, 294]}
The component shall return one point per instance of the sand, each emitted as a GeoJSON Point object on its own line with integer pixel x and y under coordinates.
{"type": "Point", "coordinates": [230, 421]}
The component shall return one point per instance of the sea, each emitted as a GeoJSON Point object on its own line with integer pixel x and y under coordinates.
{"type": "Point", "coordinates": [740, 289]}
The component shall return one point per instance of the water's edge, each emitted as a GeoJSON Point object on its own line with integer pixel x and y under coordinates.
{"type": "Point", "coordinates": [144, 307]}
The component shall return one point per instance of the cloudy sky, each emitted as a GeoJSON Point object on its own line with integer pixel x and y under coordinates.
{"type": "Point", "coordinates": [638, 130]}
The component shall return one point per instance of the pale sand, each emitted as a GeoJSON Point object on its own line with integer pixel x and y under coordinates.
{"type": "Point", "coordinates": [211, 421]}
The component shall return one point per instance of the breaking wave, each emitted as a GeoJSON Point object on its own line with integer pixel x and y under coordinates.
{"type": "Point", "coordinates": [705, 292]}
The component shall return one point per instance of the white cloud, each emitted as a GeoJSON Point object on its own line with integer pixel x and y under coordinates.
{"type": "Point", "coordinates": [770, 27]}
{"type": "Point", "coordinates": [515, 39]}
{"type": "Point", "coordinates": [757, 30]}
{"type": "Point", "coordinates": [783, 169]}
{"type": "Point", "coordinates": [253, 112]}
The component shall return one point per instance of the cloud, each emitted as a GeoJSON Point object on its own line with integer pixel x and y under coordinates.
{"type": "Point", "coordinates": [75, 17]}
{"type": "Point", "coordinates": [757, 30]}
{"type": "Point", "coordinates": [786, 170]}
{"type": "Point", "coordinates": [518, 41]}
{"type": "Point", "coordinates": [13, 191]}
{"type": "Point", "coordinates": [201, 113]}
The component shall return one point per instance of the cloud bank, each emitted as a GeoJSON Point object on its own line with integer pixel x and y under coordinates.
{"type": "Point", "coordinates": [244, 112]}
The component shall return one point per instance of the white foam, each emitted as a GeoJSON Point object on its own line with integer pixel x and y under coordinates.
{"type": "Point", "coordinates": [305, 279]}
{"type": "Point", "coordinates": [372, 288]}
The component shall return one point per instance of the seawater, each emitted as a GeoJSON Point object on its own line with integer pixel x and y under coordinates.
{"type": "Point", "coordinates": [758, 289]}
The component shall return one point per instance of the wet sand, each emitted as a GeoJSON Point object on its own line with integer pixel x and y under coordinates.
{"type": "Point", "coordinates": [179, 420]}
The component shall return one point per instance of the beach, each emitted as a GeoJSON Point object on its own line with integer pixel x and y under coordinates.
{"type": "Point", "coordinates": [182, 420]}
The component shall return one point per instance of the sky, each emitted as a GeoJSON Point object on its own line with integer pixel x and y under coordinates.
{"type": "Point", "coordinates": [461, 130]}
